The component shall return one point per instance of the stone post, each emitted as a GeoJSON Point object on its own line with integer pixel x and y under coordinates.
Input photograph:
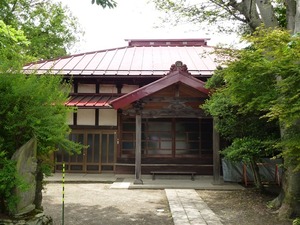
{"type": "Point", "coordinates": [26, 168]}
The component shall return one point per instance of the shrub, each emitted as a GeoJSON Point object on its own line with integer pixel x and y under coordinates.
{"type": "Point", "coordinates": [9, 180]}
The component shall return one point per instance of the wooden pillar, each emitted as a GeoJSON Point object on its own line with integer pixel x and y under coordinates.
{"type": "Point", "coordinates": [216, 156]}
{"type": "Point", "coordinates": [138, 148]}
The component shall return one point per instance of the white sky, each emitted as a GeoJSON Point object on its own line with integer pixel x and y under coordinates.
{"type": "Point", "coordinates": [131, 19]}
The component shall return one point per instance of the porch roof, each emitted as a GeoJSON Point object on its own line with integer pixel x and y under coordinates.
{"type": "Point", "coordinates": [141, 58]}
{"type": "Point", "coordinates": [90, 100]}
{"type": "Point", "coordinates": [177, 74]}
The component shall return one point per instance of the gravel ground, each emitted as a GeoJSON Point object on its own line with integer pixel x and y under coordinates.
{"type": "Point", "coordinates": [246, 207]}
{"type": "Point", "coordinates": [96, 204]}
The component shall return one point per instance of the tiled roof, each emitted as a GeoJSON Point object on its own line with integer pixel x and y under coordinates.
{"type": "Point", "coordinates": [133, 60]}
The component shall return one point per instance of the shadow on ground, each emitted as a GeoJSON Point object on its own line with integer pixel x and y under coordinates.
{"type": "Point", "coordinates": [95, 215]}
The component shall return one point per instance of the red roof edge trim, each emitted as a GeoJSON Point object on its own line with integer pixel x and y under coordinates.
{"type": "Point", "coordinates": [90, 101]}
{"type": "Point", "coordinates": [167, 42]}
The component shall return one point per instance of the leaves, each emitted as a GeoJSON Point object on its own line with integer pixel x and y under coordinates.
{"type": "Point", "coordinates": [245, 150]}
{"type": "Point", "coordinates": [105, 3]}
{"type": "Point", "coordinates": [50, 27]}
{"type": "Point", "coordinates": [34, 106]}
{"type": "Point", "coordinates": [224, 15]}
{"type": "Point", "coordinates": [9, 179]}
{"type": "Point", "coordinates": [13, 44]}
{"type": "Point", "coordinates": [257, 89]}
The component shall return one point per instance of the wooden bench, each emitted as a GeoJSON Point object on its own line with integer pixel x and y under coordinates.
{"type": "Point", "coordinates": [173, 173]}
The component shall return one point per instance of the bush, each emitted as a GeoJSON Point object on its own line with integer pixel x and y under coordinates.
{"type": "Point", "coordinates": [9, 180]}
{"type": "Point", "coordinates": [296, 221]}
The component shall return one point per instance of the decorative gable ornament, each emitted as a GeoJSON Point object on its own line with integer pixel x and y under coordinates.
{"type": "Point", "coordinates": [178, 66]}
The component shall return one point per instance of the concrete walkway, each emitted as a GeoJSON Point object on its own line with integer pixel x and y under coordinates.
{"type": "Point", "coordinates": [161, 182]}
{"type": "Point", "coordinates": [188, 208]}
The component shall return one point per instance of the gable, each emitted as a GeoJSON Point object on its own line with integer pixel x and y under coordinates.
{"type": "Point", "coordinates": [178, 80]}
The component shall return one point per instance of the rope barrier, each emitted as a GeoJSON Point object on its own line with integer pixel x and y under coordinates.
{"type": "Point", "coordinates": [63, 195]}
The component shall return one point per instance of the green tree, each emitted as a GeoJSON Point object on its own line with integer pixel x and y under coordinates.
{"type": "Point", "coordinates": [49, 26]}
{"type": "Point", "coordinates": [264, 80]}
{"type": "Point", "coordinates": [233, 15]}
{"type": "Point", "coordinates": [241, 129]}
{"type": "Point", "coordinates": [225, 15]}
{"type": "Point", "coordinates": [105, 3]}
{"type": "Point", "coordinates": [12, 45]}
{"type": "Point", "coordinates": [33, 106]}
{"type": "Point", "coordinates": [30, 106]}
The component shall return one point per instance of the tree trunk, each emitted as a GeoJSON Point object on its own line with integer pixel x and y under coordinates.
{"type": "Point", "coordinates": [290, 203]}
{"type": "Point", "coordinates": [248, 9]}
{"type": "Point", "coordinates": [256, 175]}
{"type": "Point", "coordinates": [297, 17]}
{"type": "Point", "coordinates": [267, 13]}
{"type": "Point", "coordinates": [290, 14]}
{"type": "Point", "coordinates": [289, 198]}
{"type": "Point", "coordinates": [39, 187]}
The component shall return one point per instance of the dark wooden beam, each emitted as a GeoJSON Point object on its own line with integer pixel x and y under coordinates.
{"type": "Point", "coordinates": [138, 149]}
{"type": "Point", "coordinates": [96, 117]}
{"type": "Point", "coordinates": [216, 156]}
{"type": "Point", "coordinates": [168, 113]}
{"type": "Point", "coordinates": [171, 99]}
{"type": "Point", "coordinates": [74, 118]}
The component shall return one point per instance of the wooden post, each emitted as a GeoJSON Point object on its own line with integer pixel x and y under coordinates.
{"type": "Point", "coordinates": [216, 156]}
{"type": "Point", "coordinates": [138, 148]}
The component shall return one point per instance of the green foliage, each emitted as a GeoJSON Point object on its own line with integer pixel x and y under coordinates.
{"type": "Point", "coordinates": [246, 150]}
{"type": "Point", "coordinates": [220, 15]}
{"type": "Point", "coordinates": [31, 106]}
{"type": "Point", "coordinates": [212, 14]}
{"type": "Point", "coordinates": [13, 44]}
{"type": "Point", "coordinates": [34, 106]}
{"type": "Point", "coordinates": [258, 88]}
{"type": "Point", "coordinates": [50, 28]}
{"type": "Point", "coordinates": [283, 51]}
{"type": "Point", "coordinates": [9, 179]}
{"type": "Point", "coordinates": [232, 119]}
{"type": "Point", "coordinates": [296, 221]}
{"type": "Point", "coordinates": [217, 80]}
{"type": "Point", "coordinates": [280, 13]}
{"type": "Point", "coordinates": [105, 3]}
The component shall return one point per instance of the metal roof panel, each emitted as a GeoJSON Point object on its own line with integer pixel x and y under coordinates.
{"type": "Point", "coordinates": [132, 61]}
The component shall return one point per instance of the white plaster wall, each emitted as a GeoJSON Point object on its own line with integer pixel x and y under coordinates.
{"type": "Point", "coordinates": [70, 118]}
{"type": "Point", "coordinates": [128, 88]}
{"type": "Point", "coordinates": [86, 88]}
{"type": "Point", "coordinates": [86, 117]}
{"type": "Point", "coordinates": [108, 117]}
{"type": "Point", "coordinates": [108, 88]}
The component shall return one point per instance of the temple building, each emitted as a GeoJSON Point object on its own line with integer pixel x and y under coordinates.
{"type": "Point", "coordinates": [139, 108]}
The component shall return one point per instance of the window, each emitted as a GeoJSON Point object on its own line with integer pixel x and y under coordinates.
{"type": "Point", "coordinates": [169, 137]}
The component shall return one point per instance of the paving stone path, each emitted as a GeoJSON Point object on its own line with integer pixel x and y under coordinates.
{"type": "Point", "coordinates": [188, 208]}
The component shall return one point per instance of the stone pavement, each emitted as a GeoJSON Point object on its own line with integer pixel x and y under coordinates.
{"type": "Point", "coordinates": [186, 205]}
{"type": "Point", "coordinates": [188, 208]}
